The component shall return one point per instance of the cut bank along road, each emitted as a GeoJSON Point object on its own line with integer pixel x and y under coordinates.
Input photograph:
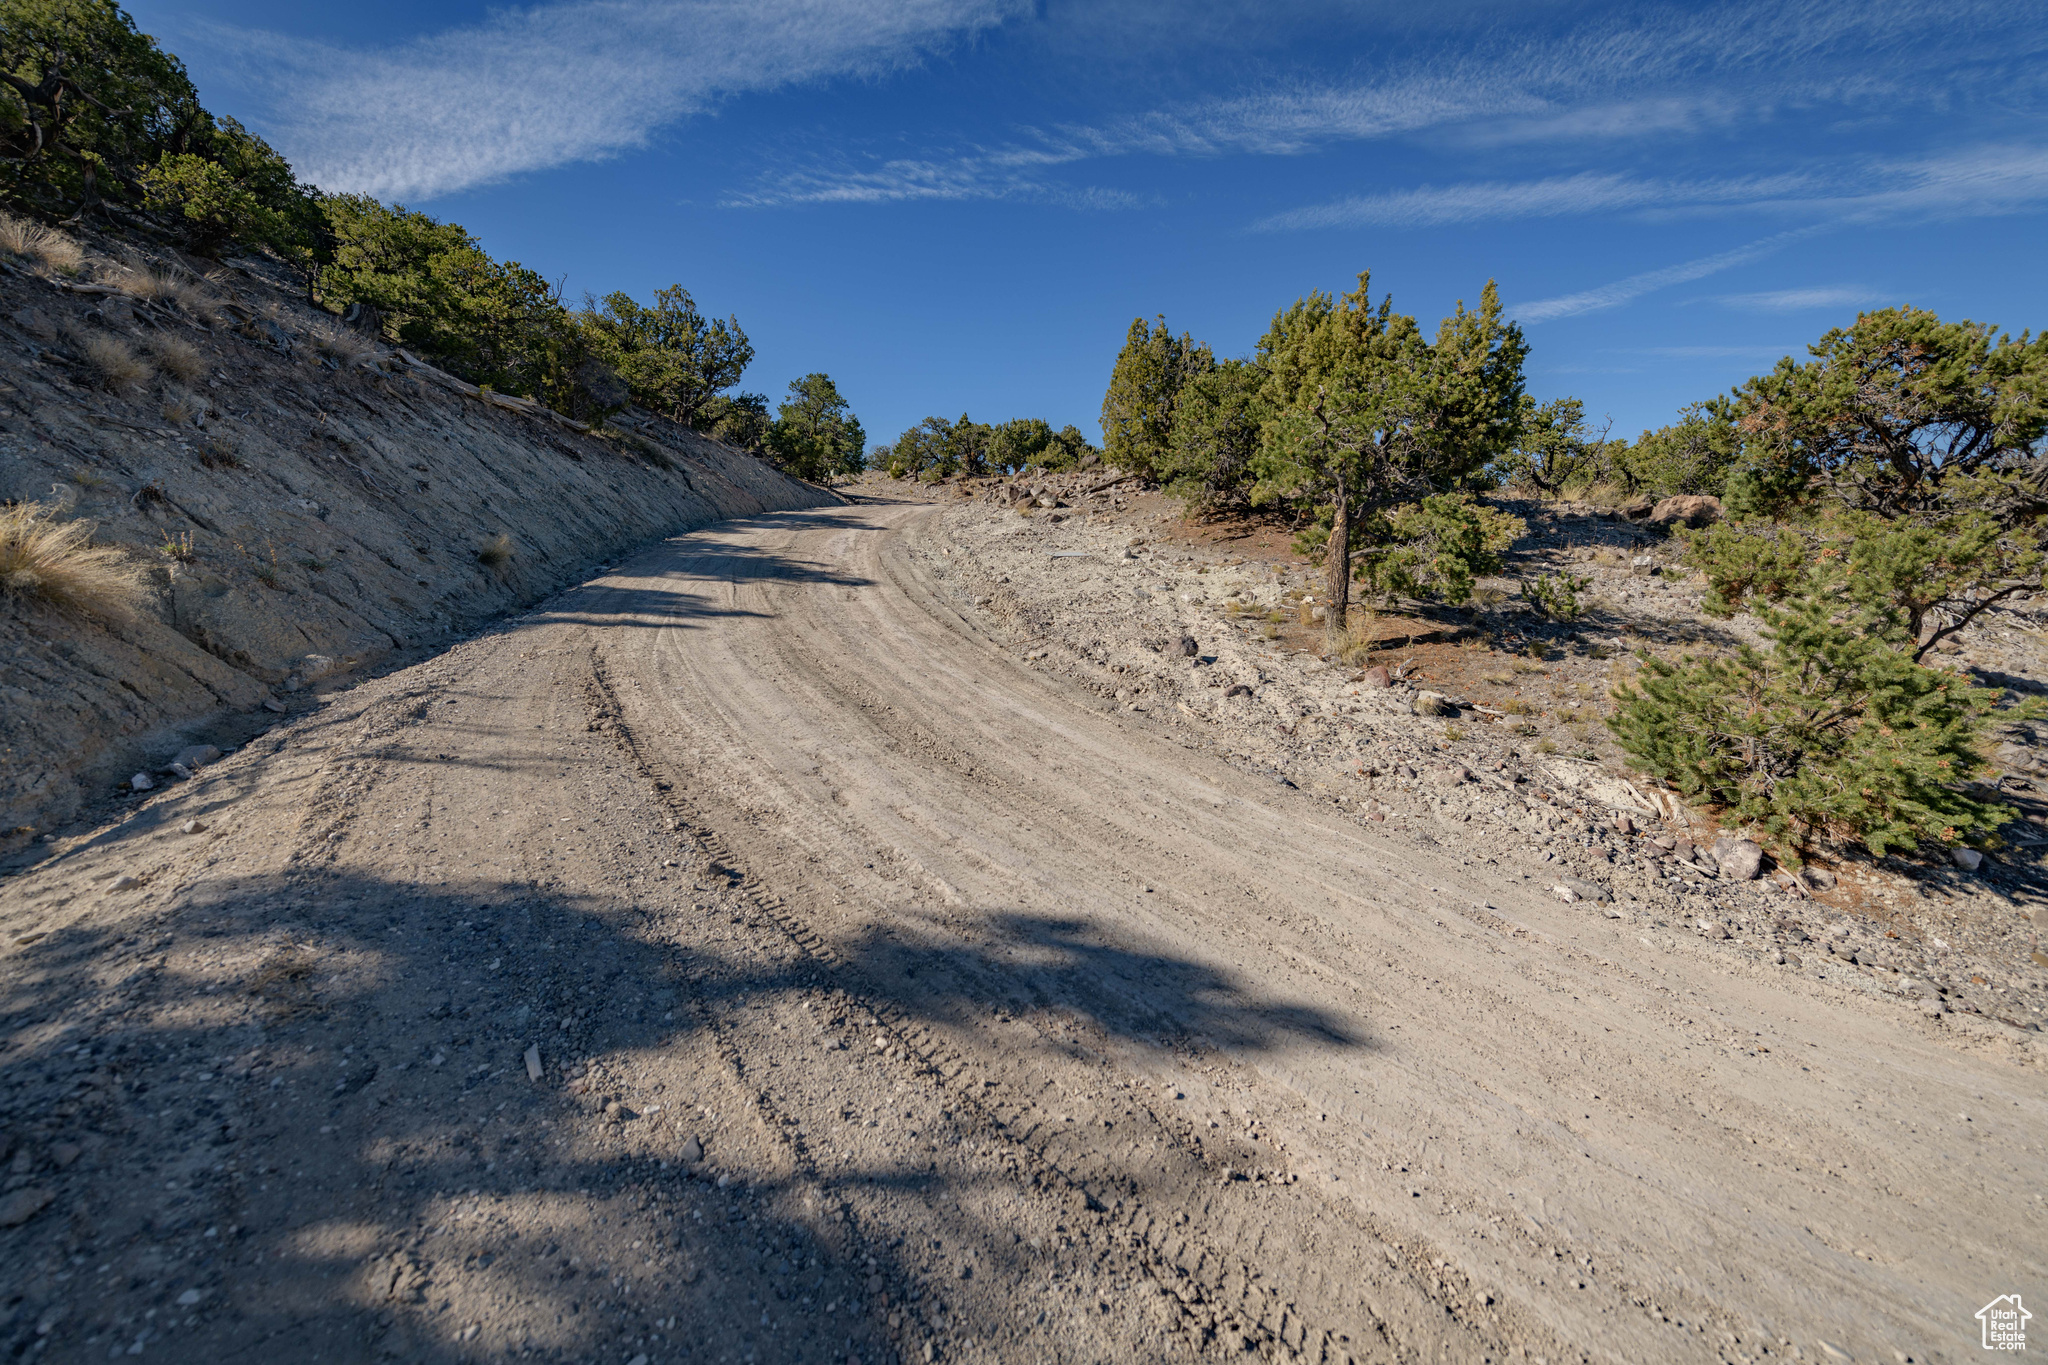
{"type": "Point", "coordinates": [1057, 1036]}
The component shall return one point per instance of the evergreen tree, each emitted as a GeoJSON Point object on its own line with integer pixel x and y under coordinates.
{"type": "Point", "coordinates": [740, 420]}
{"type": "Point", "coordinates": [1913, 450]}
{"type": "Point", "coordinates": [1832, 729]}
{"type": "Point", "coordinates": [1216, 428]}
{"type": "Point", "coordinates": [1364, 415]}
{"type": "Point", "coordinates": [674, 360]}
{"type": "Point", "coordinates": [439, 292]}
{"type": "Point", "coordinates": [1144, 389]}
{"type": "Point", "coordinates": [815, 435]}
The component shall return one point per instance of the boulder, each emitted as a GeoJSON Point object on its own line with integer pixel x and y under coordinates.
{"type": "Point", "coordinates": [1433, 704]}
{"type": "Point", "coordinates": [1377, 677]}
{"type": "Point", "coordinates": [1638, 509]}
{"type": "Point", "coordinates": [1968, 859]}
{"type": "Point", "coordinates": [197, 756]}
{"type": "Point", "coordinates": [1579, 889]}
{"type": "Point", "coordinates": [1739, 859]}
{"type": "Point", "coordinates": [1188, 647]}
{"type": "Point", "coordinates": [1687, 509]}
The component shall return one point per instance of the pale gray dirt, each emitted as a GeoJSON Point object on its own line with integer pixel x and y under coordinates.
{"type": "Point", "coordinates": [1014, 1025]}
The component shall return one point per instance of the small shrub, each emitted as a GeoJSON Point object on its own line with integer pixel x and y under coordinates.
{"type": "Point", "coordinates": [1555, 596]}
{"type": "Point", "coordinates": [56, 561]}
{"type": "Point", "coordinates": [1544, 746]}
{"type": "Point", "coordinates": [181, 410]}
{"type": "Point", "coordinates": [177, 546]}
{"type": "Point", "coordinates": [218, 455]}
{"type": "Point", "coordinates": [1835, 729]}
{"type": "Point", "coordinates": [496, 552]}
{"type": "Point", "coordinates": [1305, 612]}
{"type": "Point", "coordinates": [1515, 706]}
{"type": "Point", "coordinates": [1453, 733]}
{"type": "Point", "coordinates": [114, 361]}
{"type": "Point", "coordinates": [1271, 632]}
{"type": "Point", "coordinates": [178, 358]}
{"type": "Point", "coordinates": [1276, 617]}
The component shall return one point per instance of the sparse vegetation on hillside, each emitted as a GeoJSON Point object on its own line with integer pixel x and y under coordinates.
{"type": "Point", "coordinates": [46, 558]}
{"type": "Point", "coordinates": [1866, 504]}
{"type": "Point", "coordinates": [99, 124]}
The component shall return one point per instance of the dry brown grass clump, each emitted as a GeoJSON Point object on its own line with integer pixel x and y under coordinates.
{"type": "Point", "coordinates": [166, 287]}
{"type": "Point", "coordinates": [342, 345]}
{"type": "Point", "coordinates": [114, 361]}
{"type": "Point", "coordinates": [181, 410]}
{"type": "Point", "coordinates": [39, 243]}
{"type": "Point", "coordinates": [496, 552]}
{"type": "Point", "coordinates": [56, 561]}
{"type": "Point", "coordinates": [179, 358]}
{"type": "Point", "coordinates": [1355, 644]}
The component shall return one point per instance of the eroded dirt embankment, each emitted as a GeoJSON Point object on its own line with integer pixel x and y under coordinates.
{"type": "Point", "coordinates": [305, 504]}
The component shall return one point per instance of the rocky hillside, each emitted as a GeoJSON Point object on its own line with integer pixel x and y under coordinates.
{"type": "Point", "coordinates": [297, 502]}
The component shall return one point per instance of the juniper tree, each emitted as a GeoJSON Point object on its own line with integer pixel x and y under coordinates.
{"type": "Point", "coordinates": [1215, 435]}
{"type": "Point", "coordinates": [1833, 729]}
{"type": "Point", "coordinates": [1885, 493]}
{"type": "Point", "coordinates": [1910, 449]}
{"type": "Point", "coordinates": [815, 434]}
{"type": "Point", "coordinates": [1144, 390]}
{"type": "Point", "coordinates": [1364, 414]}
{"type": "Point", "coordinates": [675, 360]}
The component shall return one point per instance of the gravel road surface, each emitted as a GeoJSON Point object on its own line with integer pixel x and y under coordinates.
{"type": "Point", "coordinates": [750, 956]}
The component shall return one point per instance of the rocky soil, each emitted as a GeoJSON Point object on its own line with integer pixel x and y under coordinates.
{"type": "Point", "coordinates": [1486, 723]}
{"type": "Point", "coordinates": [303, 502]}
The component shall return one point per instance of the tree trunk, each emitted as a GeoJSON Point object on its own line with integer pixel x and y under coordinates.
{"type": "Point", "coordinates": [1337, 564]}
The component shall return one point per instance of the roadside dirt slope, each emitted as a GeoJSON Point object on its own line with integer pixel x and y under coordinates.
{"type": "Point", "coordinates": [895, 999]}
{"type": "Point", "coordinates": [303, 503]}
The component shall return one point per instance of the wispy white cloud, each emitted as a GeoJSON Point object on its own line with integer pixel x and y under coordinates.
{"type": "Point", "coordinates": [1000, 175]}
{"type": "Point", "coordinates": [1558, 196]}
{"type": "Point", "coordinates": [541, 87]}
{"type": "Point", "coordinates": [1671, 73]}
{"type": "Point", "coordinates": [1815, 297]}
{"type": "Point", "coordinates": [1635, 286]}
{"type": "Point", "coordinates": [1973, 181]}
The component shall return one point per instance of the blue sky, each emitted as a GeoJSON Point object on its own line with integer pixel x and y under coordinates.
{"type": "Point", "coordinates": [959, 205]}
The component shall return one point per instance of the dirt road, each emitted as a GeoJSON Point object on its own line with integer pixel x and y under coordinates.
{"type": "Point", "coordinates": [894, 1000]}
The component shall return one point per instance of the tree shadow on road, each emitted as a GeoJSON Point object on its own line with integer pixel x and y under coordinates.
{"type": "Point", "coordinates": [305, 1101]}
{"type": "Point", "coordinates": [1031, 961]}
{"type": "Point", "coordinates": [696, 576]}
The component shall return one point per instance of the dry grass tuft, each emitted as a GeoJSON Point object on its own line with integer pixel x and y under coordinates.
{"type": "Point", "coordinates": [182, 410]}
{"type": "Point", "coordinates": [52, 248]}
{"type": "Point", "coordinates": [167, 288]}
{"type": "Point", "coordinates": [180, 359]}
{"type": "Point", "coordinates": [1356, 644]}
{"type": "Point", "coordinates": [343, 345]}
{"type": "Point", "coordinates": [114, 361]}
{"type": "Point", "coordinates": [496, 552]}
{"type": "Point", "coordinates": [56, 561]}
